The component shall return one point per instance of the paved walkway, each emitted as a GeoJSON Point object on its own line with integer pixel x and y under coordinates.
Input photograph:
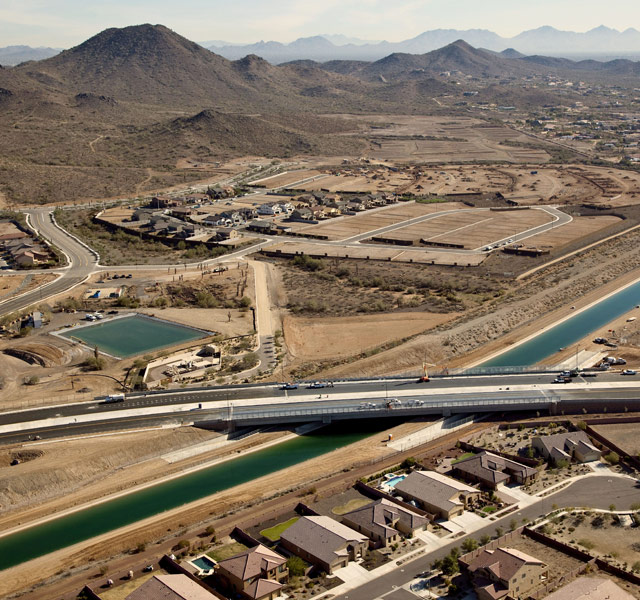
{"type": "Point", "coordinates": [433, 542]}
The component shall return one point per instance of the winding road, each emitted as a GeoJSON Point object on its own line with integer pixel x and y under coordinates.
{"type": "Point", "coordinates": [81, 262]}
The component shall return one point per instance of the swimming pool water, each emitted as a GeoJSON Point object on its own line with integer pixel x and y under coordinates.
{"type": "Point", "coordinates": [395, 480]}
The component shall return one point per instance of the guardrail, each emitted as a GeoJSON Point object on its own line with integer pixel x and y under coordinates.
{"type": "Point", "coordinates": [487, 405]}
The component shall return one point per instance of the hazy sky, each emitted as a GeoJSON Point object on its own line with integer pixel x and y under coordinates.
{"type": "Point", "coordinates": [65, 23]}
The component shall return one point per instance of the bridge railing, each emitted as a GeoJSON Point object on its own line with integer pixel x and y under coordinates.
{"type": "Point", "coordinates": [528, 401]}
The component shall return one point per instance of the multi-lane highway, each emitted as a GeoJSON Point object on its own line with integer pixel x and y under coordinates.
{"type": "Point", "coordinates": [251, 404]}
{"type": "Point", "coordinates": [81, 262]}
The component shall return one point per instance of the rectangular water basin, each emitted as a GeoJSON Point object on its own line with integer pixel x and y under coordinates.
{"type": "Point", "coordinates": [133, 334]}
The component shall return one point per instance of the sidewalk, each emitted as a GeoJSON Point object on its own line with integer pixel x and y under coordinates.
{"type": "Point", "coordinates": [434, 542]}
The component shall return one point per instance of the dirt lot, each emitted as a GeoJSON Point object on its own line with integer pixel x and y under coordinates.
{"type": "Point", "coordinates": [378, 252]}
{"type": "Point", "coordinates": [11, 285]}
{"type": "Point", "coordinates": [544, 298]}
{"type": "Point", "coordinates": [212, 319]}
{"type": "Point", "coordinates": [624, 435]}
{"type": "Point", "coordinates": [445, 139]}
{"type": "Point", "coordinates": [309, 339]}
{"type": "Point", "coordinates": [343, 228]}
{"type": "Point", "coordinates": [284, 179]}
{"type": "Point", "coordinates": [472, 228]}
{"type": "Point", "coordinates": [599, 535]}
{"type": "Point", "coordinates": [577, 229]}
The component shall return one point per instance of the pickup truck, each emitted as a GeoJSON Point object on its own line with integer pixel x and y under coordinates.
{"type": "Point", "coordinates": [317, 385]}
{"type": "Point", "coordinates": [289, 386]}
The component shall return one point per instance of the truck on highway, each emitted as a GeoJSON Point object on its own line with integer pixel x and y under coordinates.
{"type": "Point", "coordinates": [114, 398]}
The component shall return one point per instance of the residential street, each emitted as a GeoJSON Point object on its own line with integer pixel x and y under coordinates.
{"type": "Point", "coordinates": [593, 491]}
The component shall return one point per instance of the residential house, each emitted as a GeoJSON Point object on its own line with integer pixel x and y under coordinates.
{"type": "Point", "coordinates": [181, 212]}
{"type": "Point", "coordinates": [170, 587]}
{"type": "Point", "coordinates": [356, 205]}
{"type": "Point", "coordinates": [264, 227]}
{"type": "Point", "coordinates": [383, 522]}
{"type": "Point", "coordinates": [307, 199]}
{"type": "Point", "coordinates": [256, 573]}
{"type": "Point", "coordinates": [504, 572]}
{"type": "Point", "coordinates": [25, 258]}
{"type": "Point", "coordinates": [248, 213]}
{"type": "Point", "coordinates": [162, 202]}
{"type": "Point", "coordinates": [436, 493]}
{"type": "Point", "coordinates": [224, 234]}
{"type": "Point", "coordinates": [217, 221]}
{"type": "Point", "coordinates": [269, 209]}
{"type": "Point", "coordinates": [590, 588]}
{"type": "Point", "coordinates": [286, 207]}
{"type": "Point", "coordinates": [8, 231]}
{"type": "Point", "coordinates": [197, 198]}
{"type": "Point", "coordinates": [327, 544]}
{"type": "Point", "coordinates": [143, 216]}
{"type": "Point", "coordinates": [302, 214]}
{"type": "Point", "coordinates": [490, 470]}
{"type": "Point", "coordinates": [236, 217]}
{"type": "Point", "coordinates": [565, 446]}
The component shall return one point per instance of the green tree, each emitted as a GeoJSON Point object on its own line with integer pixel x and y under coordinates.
{"type": "Point", "coordinates": [296, 566]}
{"type": "Point", "coordinates": [408, 462]}
{"type": "Point", "coordinates": [469, 545]}
{"type": "Point", "coordinates": [613, 458]}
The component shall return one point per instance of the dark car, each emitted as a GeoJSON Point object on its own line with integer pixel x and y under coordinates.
{"type": "Point", "coordinates": [289, 386]}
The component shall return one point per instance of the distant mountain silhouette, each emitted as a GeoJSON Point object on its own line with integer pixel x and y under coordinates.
{"type": "Point", "coordinates": [543, 40]}
{"type": "Point", "coordinates": [14, 55]}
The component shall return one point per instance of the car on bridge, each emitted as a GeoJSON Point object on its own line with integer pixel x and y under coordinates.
{"type": "Point", "coordinates": [289, 386]}
{"type": "Point", "coordinates": [629, 372]}
{"type": "Point", "coordinates": [561, 379]}
{"type": "Point", "coordinates": [317, 385]}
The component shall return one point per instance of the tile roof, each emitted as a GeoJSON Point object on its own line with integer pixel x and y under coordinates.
{"type": "Point", "coordinates": [261, 587]}
{"type": "Point", "coordinates": [380, 517]}
{"type": "Point", "coordinates": [503, 563]}
{"type": "Point", "coordinates": [491, 467]}
{"type": "Point", "coordinates": [566, 441]}
{"type": "Point", "coordinates": [252, 562]}
{"type": "Point", "coordinates": [322, 537]}
{"type": "Point", "coordinates": [434, 488]}
{"type": "Point", "coordinates": [170, 587]}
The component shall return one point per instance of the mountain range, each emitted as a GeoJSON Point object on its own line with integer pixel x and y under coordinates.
{"type": "Point", "coordinates": [601, 41]}
{"type": "Point", "coordinates": [597, 43]}
{"type": "Point", "coordinates": [119, 111]}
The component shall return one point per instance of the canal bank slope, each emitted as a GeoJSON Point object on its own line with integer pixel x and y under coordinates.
{"type": "Point", "coordinates": [525, 309]}
{"type": "Point", "coordinates": [171, 523]}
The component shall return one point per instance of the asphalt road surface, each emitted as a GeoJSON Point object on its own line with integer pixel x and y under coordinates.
{"type": "Point", "coordinates": [216, 403]}
{"type": "Point", "coordinates": [594, 492]}
{"type": "Point", "coordinates": [81, 260]}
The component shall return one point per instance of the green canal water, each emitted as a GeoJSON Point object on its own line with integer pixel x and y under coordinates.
{"type": "Point", "coordinates": [570, 331]}
{"type": "Point", "coordinates": [102, 518]}
{"type": "Point", "coordinates": [133, 335]}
